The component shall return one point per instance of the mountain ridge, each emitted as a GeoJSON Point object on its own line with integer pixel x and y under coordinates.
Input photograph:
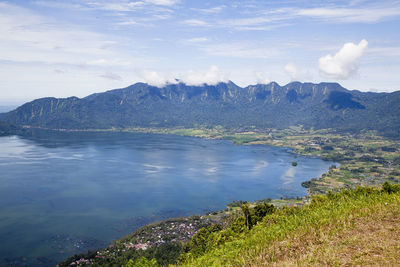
{"type": "Point", "coordinates": [322, 105]}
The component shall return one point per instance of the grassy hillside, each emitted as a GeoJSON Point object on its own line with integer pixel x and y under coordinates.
{"type": "Point", "coordinates": [352, 227]}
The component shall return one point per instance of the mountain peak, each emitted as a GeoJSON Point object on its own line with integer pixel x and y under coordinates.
{"type": "Point", "coordinates": [323, 105]}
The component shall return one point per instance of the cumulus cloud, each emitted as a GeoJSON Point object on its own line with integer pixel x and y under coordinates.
{"type": "Point", "coordinates": [261, 78]}
{"type": "Point", "coordinates": [292, 71]}
{"type": "Point", "coordinates": [211, 77]}
{"type": "Point", "coordinates": [156, 79]}
{"type": "Point", "coordinates": [299, 74]}
{"type": "Point", "coordinates": [344, 63]}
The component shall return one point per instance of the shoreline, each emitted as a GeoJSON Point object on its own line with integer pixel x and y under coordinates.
{"type": "Point", "coordinates": [365, 159]}
{"type": "Point", "coordinates": [351, 153]}
{"type": "Point", "coordinates": [237, 137]}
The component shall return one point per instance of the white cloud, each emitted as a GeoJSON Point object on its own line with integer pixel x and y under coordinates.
{"type": "Point", "coordinates": [269, 19]}
{"type": "Point", "coordinates": [197, 40]}
{"type": "Point", "coordinates": [53, 4]}
{"type": "Point", "coordinates": [344, 63]}
{"type": "Point", "coordinates": [247, 21]}
{"type": "Point", "coordinates": [27, 37]}
{"type": "Point", "coordinates": [163, 2]}
{"type": "Point", "coordinates": [116, 6]}
{"type": "Point", "coordinates": [127, 22]}
{"type": "Point", "coordinates": [343, 15]}
{"type": "Point", "coordinates": [212, 76]}
{"type": "Point", "coordinates": [261, 78]}
{"type": "Point", "coordinates": [195, 22]}
{"type": "Point", "coordinates": [210, 10]}
{"type": "Point", "coordinates": [156, 79]}
{"type": "Point", "coordinates": [111, 76]}
{"type": "Point", "coordinates": [299, 74]}
{"type": "Point", "coordinates": [292, 71]}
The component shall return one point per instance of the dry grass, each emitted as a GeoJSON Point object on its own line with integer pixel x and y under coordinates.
{"type": "Point", "coordinates": [372, 240]}
{"type": "Point", "coordinates": [350, 228]}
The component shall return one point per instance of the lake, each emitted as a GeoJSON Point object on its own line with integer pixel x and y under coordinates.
{"type": "Point", "coordinates": [64, 193]}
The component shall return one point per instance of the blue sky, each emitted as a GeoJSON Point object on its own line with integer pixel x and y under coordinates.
{"type": "Point", "coordinates": [78, 47]}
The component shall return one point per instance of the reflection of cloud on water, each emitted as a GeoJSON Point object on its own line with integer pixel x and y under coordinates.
{"type": "Point", "coordinates": [288, 176]}
{"type": "Point", "coordinates": [152, 168]}
{"type": "Point", "coordinates": [211, 170]}
{"type": "Point", "coordinates": [23, 152]}
{"type": "Point", "coordinates": [259, 166]}
{"type": "Point", "coordinates": [207, 173]}
{"type": "Point", "coordinates": [202, 168]}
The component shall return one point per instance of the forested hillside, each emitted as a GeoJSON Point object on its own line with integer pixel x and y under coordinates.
{"type": "Point", "coordinates": [324, 105]}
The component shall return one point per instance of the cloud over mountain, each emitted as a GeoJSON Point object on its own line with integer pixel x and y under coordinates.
{"type": "Point", "coordinates": [344, 63]}
{"type": "Point", "coordinates": [291, 70]}
{"type": "Point", "coordinates": [212, 76]}
{"type": "Point", "coordinates": [156, 79]}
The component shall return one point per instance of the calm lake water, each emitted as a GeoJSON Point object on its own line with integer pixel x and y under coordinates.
{"type": "Point", "coordinates": [65, 193]}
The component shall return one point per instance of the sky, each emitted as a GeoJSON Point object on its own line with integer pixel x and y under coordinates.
{"type": "Point", "coordinates": [79, 47]}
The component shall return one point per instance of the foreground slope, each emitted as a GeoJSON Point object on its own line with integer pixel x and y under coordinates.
{"type": "Point", "coordinates": [352, 227]}
{"type": "Point", "coordinates": [323, 105]}
{"type": "Point", "coordinates": [359, 227]}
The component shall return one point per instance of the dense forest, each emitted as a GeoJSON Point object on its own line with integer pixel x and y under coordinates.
{"type": "Point", "coordinates": [319, 106]}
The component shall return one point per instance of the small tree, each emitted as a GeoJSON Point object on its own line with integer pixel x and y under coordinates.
{"type": "Point", "coordinates": [247, 215]}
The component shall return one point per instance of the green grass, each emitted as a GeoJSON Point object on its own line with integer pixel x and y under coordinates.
{"type": "Point", "coordinates": [306, 236]}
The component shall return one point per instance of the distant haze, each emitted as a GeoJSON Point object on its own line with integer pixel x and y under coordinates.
{"type": "Point", "coordinates": [6, 108]}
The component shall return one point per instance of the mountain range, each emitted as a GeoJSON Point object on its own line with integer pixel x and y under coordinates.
{"type": "Point", "coordinates": [323, 105]}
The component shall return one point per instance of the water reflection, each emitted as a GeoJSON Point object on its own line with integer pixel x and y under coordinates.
{"type": "Point", "coordinates": [83, 186]}
{"type": "Point", "coordinates": [289, 175]}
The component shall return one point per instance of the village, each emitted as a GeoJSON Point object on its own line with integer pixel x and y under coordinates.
{"type": "Point", "coordinates": [164, 233]}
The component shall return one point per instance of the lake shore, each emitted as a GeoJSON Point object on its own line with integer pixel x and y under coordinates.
{"type": "Point", "coordinates": [365, 159]}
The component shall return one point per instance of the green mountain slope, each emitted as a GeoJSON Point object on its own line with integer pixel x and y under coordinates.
{"type": "Point", "coordinates": [324, 105]}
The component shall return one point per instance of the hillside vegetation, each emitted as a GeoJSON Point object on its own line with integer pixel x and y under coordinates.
{"type": "Point", "coordinates": [323, 105]}
{"type": "Point", "coordinates": [352, 227]}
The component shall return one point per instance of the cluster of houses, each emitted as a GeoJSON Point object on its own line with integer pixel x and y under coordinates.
{"type": "Point", "coordinates": [177, 230]}
{"type": "Point", "coordinates": [80, 262]}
